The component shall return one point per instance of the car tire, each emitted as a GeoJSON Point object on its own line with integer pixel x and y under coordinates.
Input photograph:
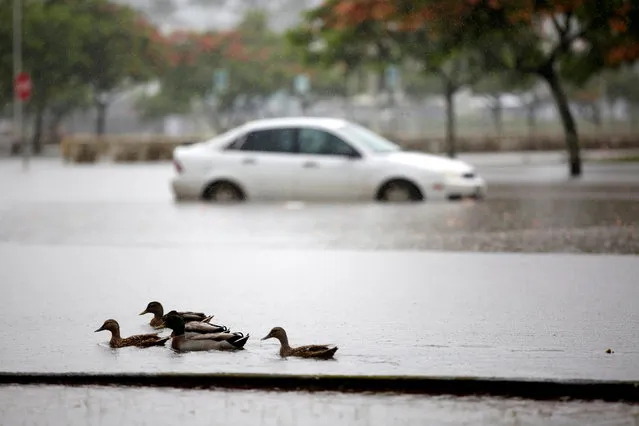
{"type": "Point", "coordinates": [399, 191]}
{"type": "Point", "coordinates": [223, 192]}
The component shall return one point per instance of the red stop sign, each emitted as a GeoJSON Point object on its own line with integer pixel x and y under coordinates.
{"type": "Point", "coordinates": [23, 86]}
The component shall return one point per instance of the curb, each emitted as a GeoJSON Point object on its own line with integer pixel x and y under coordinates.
{"type": "Point", "coordinates": [585, 390]}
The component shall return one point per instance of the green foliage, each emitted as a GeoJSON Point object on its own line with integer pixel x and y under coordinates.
{"type": "Point", "coordinates": [259, 63]}
{"type": "Point", "coordinates": [74, 48]}
{"type": "Point", "coordinates": [623, 85]}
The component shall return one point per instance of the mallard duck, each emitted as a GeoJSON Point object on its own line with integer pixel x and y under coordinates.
{"type": "Point", "coordinates": [186, 342]}
{"type": "Point", "coordinates": [308, 351]}
{"type": "Point", "coordinates": [194, 328]}
{"type": "Point", "coordinates": [157, 310]}
{"type": "Point", "coordinates": [139, 340]}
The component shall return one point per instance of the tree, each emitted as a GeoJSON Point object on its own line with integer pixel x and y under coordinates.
{"type": "Point", "coordinates": [494, 87]}
{"type": "Point", "coordinates": [378, 32]}
{"type": "Point", "coordinates": [53, 66]}
{"type": "Point", "coordinates": [623, 85]}
{"type": "Point", "coordinates": [555, 40]}
{"type": "Point", "coordinates": [123, 48]}
{"type": "Point", "coordinates": [258, 61]}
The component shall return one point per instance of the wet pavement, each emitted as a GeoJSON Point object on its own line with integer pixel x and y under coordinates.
{"type": "Point", "coordinates": [421, 289]}
{"type": "Point", "coordinates": [26, 405]}
{"type": "Point", "coordinates": [131, 205]}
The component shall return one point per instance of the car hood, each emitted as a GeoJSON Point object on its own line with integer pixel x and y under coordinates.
{"type": "Point", "coordinates": [435, 163]}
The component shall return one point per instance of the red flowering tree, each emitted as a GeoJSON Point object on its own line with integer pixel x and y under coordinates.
{"type": "Point", "coordinates": [377, 32]}
{"type": "Point", "coordinates": [555, 40]}
{"type": "Point", "coordinates": [256, 59]}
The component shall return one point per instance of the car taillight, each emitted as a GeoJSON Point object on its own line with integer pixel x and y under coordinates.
{"type": "Point", "coordinates": [178, 166]}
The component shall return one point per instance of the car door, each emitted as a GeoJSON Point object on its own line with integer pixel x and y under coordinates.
{"type": "Point", "coordinates": [264, 162]}
{"type": "Point", "coordinates": [329, 167]}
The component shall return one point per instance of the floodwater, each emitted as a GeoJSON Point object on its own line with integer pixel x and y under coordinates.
{"type": "Point", "coordinates": [505, 315]}
{"type": "Point", "coordinates": [501, 288]}
{"type": "Point", "coordinates": [26, 405]}
{"type": "Point", "coordinates": [131, 205]}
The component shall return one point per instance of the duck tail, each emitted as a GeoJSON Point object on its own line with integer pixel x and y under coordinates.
{"type": "Point", "coordinates": [239, 340]}
{"type": "Point", "coordinates": [162, 341]}
{"type": "Point", "coordinates": [329, 353]}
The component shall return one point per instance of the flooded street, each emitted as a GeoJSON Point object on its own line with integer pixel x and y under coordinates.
{"type": "Point", "coordinates": [531, 283]}
{"type": "Point", "coordinates": [131, 205]}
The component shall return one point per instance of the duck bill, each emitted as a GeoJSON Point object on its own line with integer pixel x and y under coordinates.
{"type": "Point", "coordinates": [143, 312]}
{"type": "Point", "coordinates": [99, 329]}
{"type": "Point", "coordinates": [266, 337]}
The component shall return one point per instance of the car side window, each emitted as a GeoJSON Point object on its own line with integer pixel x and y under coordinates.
{"type": "Point", "coordinates": [270, 140]}
{"type": "Point", "coordinates": [320, 142]}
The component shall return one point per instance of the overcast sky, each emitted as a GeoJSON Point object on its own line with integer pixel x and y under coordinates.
{"type": "Point", "coordinates": [219, 14]}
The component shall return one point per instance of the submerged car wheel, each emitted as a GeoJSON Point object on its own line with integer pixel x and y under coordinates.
{"type": "Point", "coordinates": [223, 192]}
{"type": "Point", "coordinates": [399, 191]}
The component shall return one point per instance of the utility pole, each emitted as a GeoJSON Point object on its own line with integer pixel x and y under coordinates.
{"type": "Point", "coordinates": [17, 69]}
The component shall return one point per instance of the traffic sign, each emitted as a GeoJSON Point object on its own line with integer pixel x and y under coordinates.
{"type": "Point", "coordinates": [23, 86]}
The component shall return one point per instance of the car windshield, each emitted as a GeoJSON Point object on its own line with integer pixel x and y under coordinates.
{"type": "Point", "coordinates": [370, 139]}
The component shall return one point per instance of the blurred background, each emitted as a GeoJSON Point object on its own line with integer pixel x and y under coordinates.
{"type": "Point", "coordinates": [196, 67]}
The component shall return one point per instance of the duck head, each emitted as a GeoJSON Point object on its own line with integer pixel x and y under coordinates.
{"type": "Point", "coordinates": [154, 308]}
{"type": "Point", "coordinates": [277, 333]}
{"type": "Point", "coordinates": [110, 325]}
{"type": "Point", "coordinates": [175, 323]}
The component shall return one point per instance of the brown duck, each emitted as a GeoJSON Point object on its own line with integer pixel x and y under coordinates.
{"type": "Point", "coordinates": [157, 310]}
{"type": "Point", "coordinates": [308, 351]}
{"type": "Point", "coordinates": [139, 340]}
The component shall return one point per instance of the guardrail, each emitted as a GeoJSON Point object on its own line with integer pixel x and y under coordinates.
{"type": "Point", "coordinates": [136, 148]}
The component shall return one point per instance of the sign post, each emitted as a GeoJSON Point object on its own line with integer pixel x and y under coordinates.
{"type": "Point", "coordinates": [302, 85]}
{"type": "Point", "coordinates": [22, 82]}
{"type": "Point", "coordinates": [220, 81]}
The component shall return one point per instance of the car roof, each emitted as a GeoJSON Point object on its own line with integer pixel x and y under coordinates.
{"type": "Point", "coordinates": [324, 122]}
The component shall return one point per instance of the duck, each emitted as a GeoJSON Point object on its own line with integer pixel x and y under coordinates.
{"type": "Point", "coordinates": [308, 351]}
{"type": "Point", "coordinates": [157, 310]}
{"type": "Point", "coordinates": [200, 327]}
{"type": "Point", "coordinates": [138, 340]}
{"type": "Point", "coordinates": [188, 342]}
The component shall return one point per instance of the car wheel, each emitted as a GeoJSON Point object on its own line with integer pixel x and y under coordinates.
{"type": "Point", "coordinates": [399, 191]}
{"type": "Point", "coordinates": [223, 192]}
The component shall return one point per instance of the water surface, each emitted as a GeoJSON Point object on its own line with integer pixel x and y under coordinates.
{"type": "Point", "coordinates": [542, 316]}
{"type": "Point", "coordinates": [24, 405]}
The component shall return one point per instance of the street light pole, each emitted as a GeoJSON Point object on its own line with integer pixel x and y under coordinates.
{"type": "Point", "coordinates": [17, 69]}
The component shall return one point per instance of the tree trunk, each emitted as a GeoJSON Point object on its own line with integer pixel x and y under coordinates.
{"type": "Point", "coordinates": [54, 127]}
{"type": "Point", "coordinates": [567, 121]}
{"type": "Point", "coordinates": [632, 115]}
{"type": "Point", "coordinates": [100, 125]}
{"type": "Point", "coordinates": [497, 110]}
{"type": "Point", "coordinates": [36, 142]}
{"type": "Point", "coordinates": [531, 117]}
{"type": "Point", "coordinates": [596, 116]}
{"type": "Point", "coordinates": [449, 93]}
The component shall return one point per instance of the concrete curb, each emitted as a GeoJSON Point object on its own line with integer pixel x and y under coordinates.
{"type": "Point", "coordinates": [585, 390]}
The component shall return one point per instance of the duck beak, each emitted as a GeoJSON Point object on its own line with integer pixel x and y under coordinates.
{"type": "Point", "coordinates": [266, 337]}
{"type": "Point", "coordinates": [99, 329]}
{"type": "Point", "coordinates": [143, 312]}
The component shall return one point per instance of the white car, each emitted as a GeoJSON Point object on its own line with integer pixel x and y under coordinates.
{"type": "Point", "coordinates": [312, 159]}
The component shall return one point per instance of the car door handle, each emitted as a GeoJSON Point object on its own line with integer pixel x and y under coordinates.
{"type": "Point", "coordinates": [249, 161]}
{"type": "Point", "coordinates": [310, 165]}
